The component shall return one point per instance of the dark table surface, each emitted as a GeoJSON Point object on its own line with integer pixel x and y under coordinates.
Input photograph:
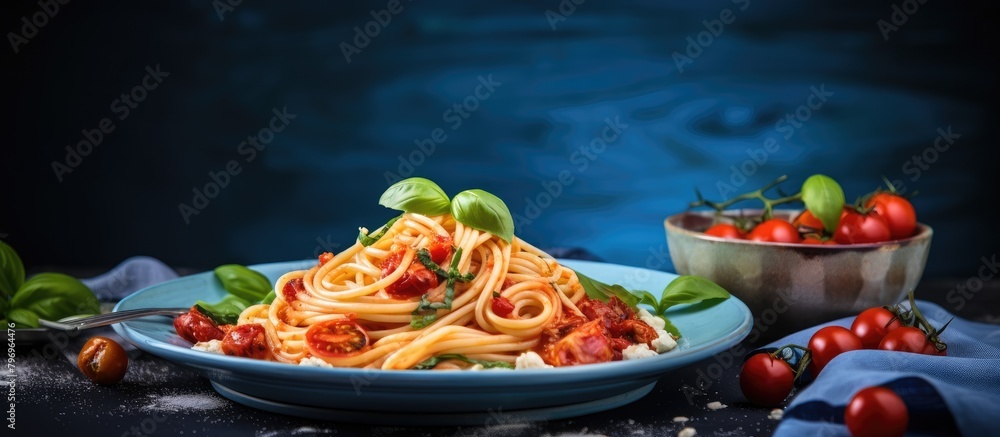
{"type": "Point", "coordinates": [158, 397]}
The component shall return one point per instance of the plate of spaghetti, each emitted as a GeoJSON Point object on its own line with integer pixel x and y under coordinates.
{"type": "Point", "coordinates": [441, 316]}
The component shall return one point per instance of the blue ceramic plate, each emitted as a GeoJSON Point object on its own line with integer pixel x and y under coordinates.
{"type": "Point", "coordinates": [429, 397]}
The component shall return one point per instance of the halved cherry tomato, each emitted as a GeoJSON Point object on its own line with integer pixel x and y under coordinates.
{"type": "Point", "coordinates": [501, 306]}
{"type": "Point", "coordinates": [440, 249]}
{"type": "Point", "coordinates": [807, 222]}
{"type": "Point", "coordinates": [857, 228]}
{"type": "Point", "coordinates": [248, 341]}
{"type": "Point", "coordinates": [872, 324]}
{"type": "Point", "coordinates": [766, 380]}
{"type": "Point", "coordinates": [897, 212]}
{"type": "Point", "coordinates": [725, 230]}
{"type": "Point", "coordinates": [909, 339]}
{"type": "Point", "coordinates": [876, 412]}
{"type": "Point", "coordinates": [586, 344]}
{"type": "Point", "coordinates": [775, 230]}
{"type": "Point", "coordinates": [336, 338]}
{"type": "Point", "coordinates": [829, 342]}
{"type": "Point", "coordinates": [195, 327]}
{"type": "Point", "coordinates": [292, 289]}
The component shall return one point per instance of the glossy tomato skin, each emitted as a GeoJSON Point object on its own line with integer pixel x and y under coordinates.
{"type": "Point", "coordinates": [725, 230]}
{"type": "Point", "coordinates": [586, 344]}
{"type": "Point", "coordinates": [336, 338]}
{"type": "Point", "coordinates": [196, 327]}
{"type": "Point", "coordinates": [501, 306]}
{"type": "Point", "coordinates": [292, 289]}
{"type": "Point", "coordinates": [872, 324]}
{"type": "Point", "coordinates": [103, 360]}
{"type": "Point", "coordinates": [766, 380]}
{"type": "Point", "coordinates": [807, 222]}
{"type": "Point", "coordinates": [897, 212]}
{"type": "Point", "coordinates": [414, 282]}
{"type": "Point", "coordinates": [248, 341]}
{"type": "Point", "coordinates": [857, 228]}
{"type": "Point", "coordinates": [908, 339]}
{"type": "Point", "coordinates": [776, 231]}
{"type": "Point", "coordinates": [876, 412]}
{"type": "Point", "coordinates": [827, 343]}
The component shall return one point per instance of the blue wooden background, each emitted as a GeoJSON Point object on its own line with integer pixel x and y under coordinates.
{"type": "Point", "coordinates": [593, 121]}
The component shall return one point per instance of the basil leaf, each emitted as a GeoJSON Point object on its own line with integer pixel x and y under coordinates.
{"type": "Point", "coordinates": [416, 195]}
{"type": "Point", "coordinates": [368, 239]}
{"type": "Point", "coordinates": [11, 271]}
{"type": "Point", "coordinates": [690, 289]}
{"type": "Point", "coordinates": [421, 322]}
{"type": "Point", "coordinates": [23, 318]}
{"type": "Point", "coordinates": [481, 210]}
{"type": "Point", "coordinates": [52, 296]}
{"type": "Point", "coordinates": [601, 291]}
{"type": "Point", "coordinates": [242, 282]}
{"type": "Point", "coordinates": [269, 298]}
{"type": "Point", "coordinates": [224, 312]}
{"type": "Point", "coordinates": [647, 298]}
{"type": "Point", "coordinates": [433, 361]}
{"type": "Point", "coordinates": [824, 199]}
{"type": "Point", "coordinates": [669, 327]}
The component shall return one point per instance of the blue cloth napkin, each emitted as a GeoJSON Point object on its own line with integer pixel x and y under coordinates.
{"type": "Point", "coordinates": [958, 393]}
{"type": "Point", "coordinates": [129, 276]}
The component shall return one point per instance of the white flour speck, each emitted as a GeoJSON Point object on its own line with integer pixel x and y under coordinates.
{"type": "Point", "coordinates": [687, 432]}
{"type": "Point", "coordinates": [716, 405]}
{"type": "Point", "coordinates": [184, 402]}
{"type": "Point", "coordinates": [680, 419]}
{"type": "Point", "coordinates": [776, 414]}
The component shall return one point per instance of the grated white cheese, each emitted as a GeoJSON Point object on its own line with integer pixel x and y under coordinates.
{"type": "Point", "coordinates": [680, 419]}
{"type": "Point", "coordinates": [636, 351]}
{"type": "Point", "coordinates": [664, 341]}
{"type": "Point", "coordinates": [530, 360]}
{"type": "Point", "coordinates": [716, 405]}
{"type": "Point", "coordinates": [776, 414]}
{"type": "Point", "coordinates": [211, 346]}
{"type": "Point", "coordinates": [314, 362]}
{"type": "Point", "coordinates": [688, 432]}
{"type": "Point", "coordinates": [651, 320]}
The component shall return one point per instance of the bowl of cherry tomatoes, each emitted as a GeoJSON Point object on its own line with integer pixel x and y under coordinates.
{"type": "Point", "coordinates": [792, 272]}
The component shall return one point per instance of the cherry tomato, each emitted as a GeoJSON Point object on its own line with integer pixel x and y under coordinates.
{"type": "Point", "coordinates": [857, 228]}
{"type": "Point", "coordinates": [292, 289]}
{"type": "Point", "coordinates": [814, 240]}
{"type": "Point", "coordinates": [725, 230]}
{"type": "Point", "coordinates": [808, 222]}
{"type": "Point", "coordinates": [829, 342]}
{"type": "Point", "coordinates": [325, 257]}
{"type": "Point", "coordinates": [876, 412]}
{"type": "Point", "coordinates": [103, 360]}
{"type": "Point", "coordinates": [501, 306]}
{"type": "Point", "coordinates": [336, 338]}
{"type": "Point", "coordinates": [195, 327]}
{"type": "Point", "coordinates": [872, 324]}
{"type": "Point", "coordinates": [897, 212]}
{"type": "Point", "coordinates": [775, 230]}
{"type": "Point", "coordinates": [909, 339]}
{"type": "Point", "coordinates": [585, 344]}
{"type": "Point", "coordinates": [440, 249]}
{"type": "Point", "coordinates": [414, 282]}
{"type": "Point", "coordinates": [766, 380]}
{"type": "Point", "coordinates": [249, 341]}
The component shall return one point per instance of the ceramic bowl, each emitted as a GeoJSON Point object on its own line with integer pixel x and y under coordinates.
{"type": "Point", "coordinates": [789, 287]}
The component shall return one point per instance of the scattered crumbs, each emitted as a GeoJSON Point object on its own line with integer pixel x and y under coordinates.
{"type": "Point", "coordinates": [184, 402]}
{"type": "Point", "coordinates": [716, 405]}
{"type": "Point", "coordinates": [776, 414]}
{"type": "Point", "coordinates": [631, 421]}
{"type": "Point", "coordinates": [681, 419]}
{"type": "Point", "coordinates": [687, 432]}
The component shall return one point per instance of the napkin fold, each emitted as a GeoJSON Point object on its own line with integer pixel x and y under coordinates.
{"type": "Point", "coordinates": [945, 395]}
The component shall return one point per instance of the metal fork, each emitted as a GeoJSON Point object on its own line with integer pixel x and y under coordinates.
{"type": "Point", "coordinates": [87, 322]}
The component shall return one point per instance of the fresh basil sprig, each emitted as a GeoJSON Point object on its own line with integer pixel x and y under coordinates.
{"type": "Point", "coordinates": [245, 287]}
{"type": "Point", "coordinates": [11, 271]}
{"type": "Point", "coordinates": [433, 361]}
{"type": "Point", "coordinates": [685, 289]}
{"type": "Point", "coordinates": [481, 210]}
{"type": "Point", "coordinates": [824, 199]}
{"type": "Point", "coordinates": [369, 239]}
{"type": "Point", "coordinates": [426, 311]}
{"type": "Point", "coordinates": [416, 195]}
{"type": "Point", "coordinates": [51, 296]}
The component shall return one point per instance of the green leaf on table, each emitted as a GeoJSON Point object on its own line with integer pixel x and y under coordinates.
{"type": "Point", "coordinates": [52, 296]}
{"type": "Point", "coordinates": [824, 198]}
{"type": "Point", "coordinates": [224, 312]}
{"type": "Point", "coordinates": [23, 318]}
{"type": "Point", "coordinates": [243, 282]}
{"type": "Point", "coordinates": [11, 271]}
{"type": "Point", "coordinates": [481, 210]}
{"type": "Point", "coordinates": [690, 289]}
{"type": "Point", "coordinates": [601, 291]}
{"type": "Point", "coordinates": [416, 195]}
